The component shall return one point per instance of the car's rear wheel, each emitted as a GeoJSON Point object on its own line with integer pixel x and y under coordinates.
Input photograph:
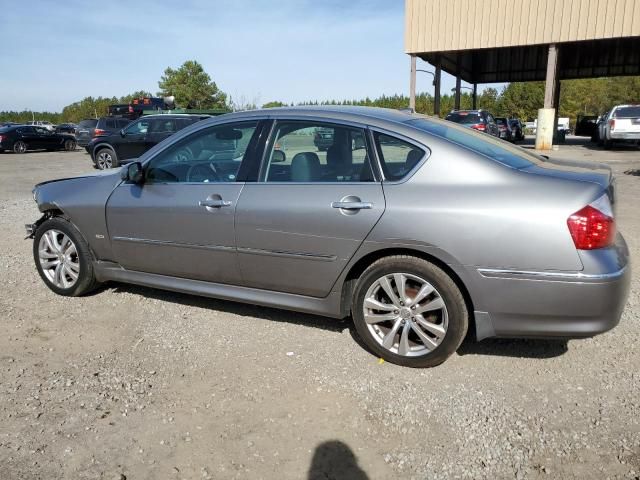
{"type": "Point", "coordinates": [63, 258]}
{"type": "Point", "coordinates": [69, 145]}
{"type": "Point", "coordinates": [19, 147]}
{"type": "Point", "coordinates": [409, 311]}
{"type": "Point", "coordinates": [106, 158]}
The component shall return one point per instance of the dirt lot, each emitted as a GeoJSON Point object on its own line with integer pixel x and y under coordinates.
{"type": "Point", "coordinates": [138, 383]}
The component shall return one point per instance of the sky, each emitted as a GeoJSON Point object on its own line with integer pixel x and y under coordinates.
{"type": "Point", "coordinates": [53, 53]}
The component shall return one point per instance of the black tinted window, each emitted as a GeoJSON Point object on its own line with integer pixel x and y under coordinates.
{"type": "Point", "coordinates": [627, 112]}
{"type": "Point", "coordinates": [465, 117]}
{"type": "Point", "coordinates": [397, 157]}
{"type": "Point", "coordinates": [111, 124]}
{"type": "Point", "coordinates": [88, 123]}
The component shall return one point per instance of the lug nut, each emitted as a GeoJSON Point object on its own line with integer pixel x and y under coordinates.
{"type": "Point", "coordinates": [413, 308]}
{"type": "Point", "coordinates": [396, 312]}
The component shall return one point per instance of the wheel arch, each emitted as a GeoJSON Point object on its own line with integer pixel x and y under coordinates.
{"type": "Point", "coordinates": [99, 147]}
{"type": "Point", "coordinates": [356, 270]}
{"type": "Point", "coordinates": [51, 210]}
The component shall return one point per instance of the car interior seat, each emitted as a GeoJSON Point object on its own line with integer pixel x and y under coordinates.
{"type": "Point", "coordinates": [305, 167]}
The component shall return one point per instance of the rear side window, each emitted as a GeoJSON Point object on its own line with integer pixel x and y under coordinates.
{"type": "Point", "coordinates": [397, 157]}
{"type": "Point", "coordinates": [111, 124]}
{"type": "Point", "coordinates": [503, 152]}
{"type": "Point", "coordinates": [122, 123]}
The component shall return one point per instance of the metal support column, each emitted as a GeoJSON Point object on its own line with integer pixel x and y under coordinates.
{"type": "Point", "coordinates": [475, 97]}
{"type": "Point", "coordinates": [412, 84]}
{"type": "Point", "coordinates": [436, 83]}
{"type": "Point", "coordinates": [456, 101]}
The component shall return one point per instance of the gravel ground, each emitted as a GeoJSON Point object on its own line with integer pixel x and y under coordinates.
{"type": "Point", "coordinates": [139, 383]}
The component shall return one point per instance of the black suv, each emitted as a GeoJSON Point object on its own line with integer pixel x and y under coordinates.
{"type": "Point", "coordinates": [138, 137]}
{"type": "Point", "coordinates": [480, 120]}
{"type": "Point", "coordinates": [95, 127]}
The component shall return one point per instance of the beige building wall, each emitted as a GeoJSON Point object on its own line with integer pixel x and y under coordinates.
{"type": "Point", "coordinates": [448, 25]}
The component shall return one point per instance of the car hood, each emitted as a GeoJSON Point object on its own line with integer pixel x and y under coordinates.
{"type": "Point", "coordinates": [114, 172]}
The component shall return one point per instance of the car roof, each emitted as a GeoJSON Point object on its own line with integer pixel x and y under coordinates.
{"type": "Point", "coordinates": [177, 115]}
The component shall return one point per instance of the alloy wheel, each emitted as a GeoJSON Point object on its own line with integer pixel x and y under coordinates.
{"type": "Point", "coordinates": [59, 258]}
{"type": "Point", "coordinates": [405, 314]}
{"type": "Point", "coordinates": [105, 160]}
{"type": "Point", "coordinates": [20, 147]}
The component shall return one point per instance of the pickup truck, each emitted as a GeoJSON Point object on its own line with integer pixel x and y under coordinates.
{"type": "Point", "coordinates": [621, 124]}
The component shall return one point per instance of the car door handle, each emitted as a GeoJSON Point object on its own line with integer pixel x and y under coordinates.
{"type": "Point", "coordinates": [353, 205]}
{"type": "Point", "coordinates": [214, 203]}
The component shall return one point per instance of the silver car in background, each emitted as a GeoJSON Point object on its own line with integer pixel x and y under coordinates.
{"type": "Point", "coordinates": [419, 229]}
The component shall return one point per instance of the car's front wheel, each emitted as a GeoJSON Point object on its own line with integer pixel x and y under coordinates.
{"type": "Point", "coordinates": [409, 311]}
{"type": "Point", "coordinates": [69, 145]}
{"type": "Point", "coordinates": [63, 258]}
{"type": "Point", "coordinates": [106, 158]}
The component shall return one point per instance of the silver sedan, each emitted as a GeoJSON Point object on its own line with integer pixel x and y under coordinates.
{"type": "Point", "coordinates": [418, 229]}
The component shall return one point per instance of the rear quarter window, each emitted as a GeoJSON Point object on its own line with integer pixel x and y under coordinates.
{"type": "Point", "coordinates": [397, 157]}
{"type": "Point", "coordinates": [501, 151]}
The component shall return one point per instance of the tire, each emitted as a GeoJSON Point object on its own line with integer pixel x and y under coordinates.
{"type": "Point", "coordinates": [106, 158]}
{"type": "Point", "coordinates": [69, 145]}
{"type": "Point", "coordinates": [607, 144]}
{"type": "Point", "coordinates": [19, 147]}
{"type": "Point", "coordinates": [444, 312]}
{"type": "Point", "coordinates": [75, 261]}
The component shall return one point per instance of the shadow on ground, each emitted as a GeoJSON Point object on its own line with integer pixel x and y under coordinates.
{"type": "Point", "coordinates": [228, 306]}
{"type": "Point", "coordinates": [512, 347]}
{"type": "Point", "coordinates": [334, 460]}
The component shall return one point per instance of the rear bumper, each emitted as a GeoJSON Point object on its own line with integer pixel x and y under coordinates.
{"type": "Point", "coordinates": [631, 136]}
{"type": "Point", "coordinates": [555, 304]}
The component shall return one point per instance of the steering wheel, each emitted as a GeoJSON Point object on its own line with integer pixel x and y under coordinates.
{"type": "Point", "coordinates": [184, 154]}
{"type": "Point", "coordinates": [202, 173]}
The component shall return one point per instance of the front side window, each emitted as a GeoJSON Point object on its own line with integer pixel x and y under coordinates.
{"type": "Point", "coordinates": [317, 152]}
{"type": "Point", "coordinates": [213, 154]}
{"type": "Point", "coordinates": [137, 128]}
{"type": "Point", "coordinates": [397, 157]}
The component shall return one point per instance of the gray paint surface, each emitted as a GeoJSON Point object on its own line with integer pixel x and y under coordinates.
{"type": "Point", "coordinates": [282, 244]}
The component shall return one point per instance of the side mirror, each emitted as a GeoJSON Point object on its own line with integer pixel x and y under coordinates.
{"type": "Point", "coordinates": [278, 156]}
{"type": "Point", "coordinates": [132, 173]}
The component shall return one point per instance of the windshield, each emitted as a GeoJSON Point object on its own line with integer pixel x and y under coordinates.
{"type": "Point", "coordinates": [627, 112]}
{"type": "Point", "coordinates": [465, 117]}
{"type": "Point", "coordinates": [503, 152]}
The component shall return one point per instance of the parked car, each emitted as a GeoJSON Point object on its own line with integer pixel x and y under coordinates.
{"type": "Point", "coordinates": [517, 128]}
{"type": "Point", "coordinates": [504, 128]}
{"type": "Point", "coordinates": [139, 136]}
{"type": "Point", "coordinates": [621, 124]}
{"type": "Point", "coordinates": [323, 138]}
{"type": "Point", "coordinates": [596, 133]}
{"type": "Point", "coordinates": [428, 231]}
{"type": "Point", "coordinates": [480, 120]}
{"type": "Point", "coordinates": [97, 127]}
{"type": "Point", "coordinates": [585, 125]}
{"type": "Point", "coordinates": [21, 138]}
{"type": "Point", "coordinates": [43, 123]}
{"type": "Point", "coordinates": [66, 128]}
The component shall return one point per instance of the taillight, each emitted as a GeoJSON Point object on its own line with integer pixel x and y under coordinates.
{"type": "Point", "coordinates": [1, 138]}
{"type": "Point", "coordinates": [98, 131]}
{"type": "Point", "coordinates": [478, 126]}
{"type": "Point", "coordinates": [592, 228]}
{"type": "Point", "coordinates": [612, 123]}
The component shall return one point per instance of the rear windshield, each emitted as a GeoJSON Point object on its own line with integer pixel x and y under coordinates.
{"type": "Point", "coordinates": [88, 123]}
{"type": "Point", "coordinates": [465, 117]}
{"type": "Point", "coordinates": [501, 121]}
{"type": "Point", "coordinates": [503, 152]}
{"type": "Point", "coordinates": [627, 112]}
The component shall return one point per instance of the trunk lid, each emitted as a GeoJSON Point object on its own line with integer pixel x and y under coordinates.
{"type": "Point", "coordinates": [591, 172]}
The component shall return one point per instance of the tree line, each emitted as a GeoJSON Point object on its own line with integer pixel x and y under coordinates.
{"type": "Point", "coordinates": [193, 88]}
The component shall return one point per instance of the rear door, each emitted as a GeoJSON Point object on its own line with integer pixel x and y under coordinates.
{"type": "Point", "coordinates": [159, 129]}
{"type": "Point", "coordinates": [310, 210]}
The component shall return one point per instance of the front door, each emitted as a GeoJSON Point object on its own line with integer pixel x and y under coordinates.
{"type": "Point", "coordinates": [180, 221]}
{"type": "Point", "coordinates": [131, 145]}
{"type": "Point", "coordinates": [313, 206]}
